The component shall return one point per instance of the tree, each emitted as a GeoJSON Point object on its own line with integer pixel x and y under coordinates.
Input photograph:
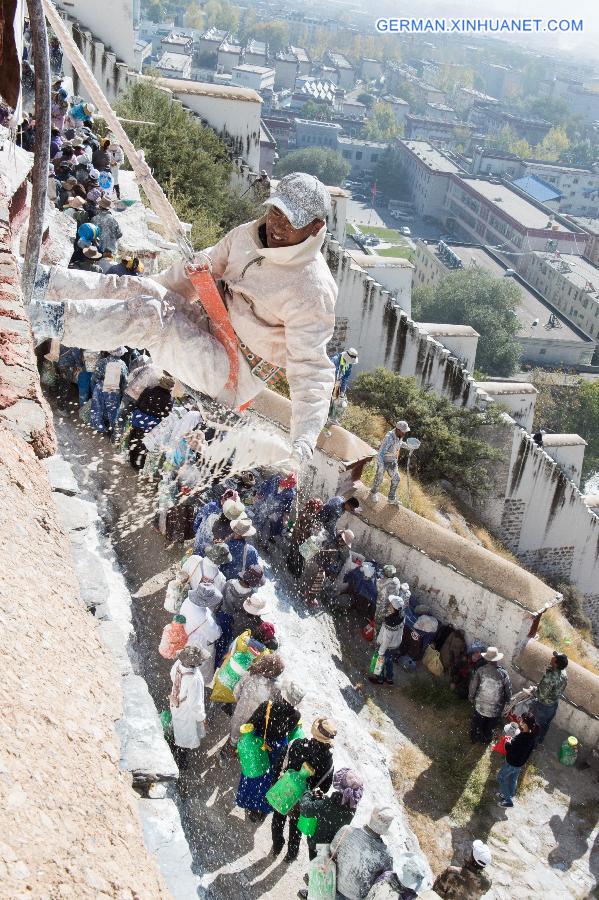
{"type": "Point", "coordinates": [507, 139]}
{"type": "Point", "coordinates": [320, 112]}
{"type": "Point", "coordinates": [553, 145]}
{"type": "Point", "coordinates": [367, 99]}
{"type": "Point", "coordinates": [584, 153]}
{"type": "Point", "coordinates": [221, 14]}
{"type": "Point", "coordinates": [189, 161]}
{"type": "Point", "coordinates": [450, 447]}
{"type": "Point", "coordinates": [488, 304]}
{"type": "Point", "coordinates": [327, 165]}
{"type": "Point", "coordinates": [194, 17]}
{"type": "Point", "coordinates": [155, 11]}
{"type": "Point", "coordinates": [383, 124]}
{"type": "Point", "coordinates": [275, 34]}
{"type": "Point", "coordinates": [390, 176]}
{"type": "Point", "coordinates": [571, 408]}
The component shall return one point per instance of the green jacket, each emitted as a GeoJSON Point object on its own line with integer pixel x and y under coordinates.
{"type": "Point", "coordinates": [330, 812]}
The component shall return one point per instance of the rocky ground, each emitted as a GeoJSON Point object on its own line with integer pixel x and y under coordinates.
{"type": "Point", "coordinates": [409, 740]}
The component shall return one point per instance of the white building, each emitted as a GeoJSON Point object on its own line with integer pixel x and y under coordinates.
{"type": "Point", "coordinates": [462, 340]}
{"type": "Point", "coordinates": [370, 69]}
{"type": "Point", "coordinates": [546, 337]}
{"type": "Point", "coordinates": [399, 106]}
{"type": "Point", "coordinates": [518, 397]}
{"type": "Point", "coordinates": [229, 54]}
{"type": "Point", "coordinates": [177, 42]}
{"type": "Point", "coordinates": [210, 41]}
{"type": "Point", "coordinates": [352, 108]}
{"type": "Point", "coordinates": [569, 282]}
{"type": "Point", "coordinates": [363, 156]}
{"type": "Point", "coordinates": [258, 78]}
{"type": "Point", "coordinates": [233, 112]}
{"type": "Point", "coordinates": [113, 24]}
{"type": "Point", "coordinates": [345, 71]}
{"type": "Point", "coordinates": [143, 50]}
{"type": "Point", "coordinates": [255, 53]}
{"type": "Point", "coordinates": [174, 65]}
{"type": "Point", "coordinates": [393, 272]}
{"type": "Point", "coordinates": [428, 173]}
{"type": "Point", "coordinates": [568, 452]}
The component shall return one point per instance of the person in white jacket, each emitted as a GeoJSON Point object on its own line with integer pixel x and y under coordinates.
{"type": "Point", "coordinates": [389, 640]}
{"type": "Point", "coordinates": [187, 700]}
{"type": "Point", "coordinates": [257, 685]}
{"type": "Point", "coordinates": [202, 630]}
{"type": "Point", "coordinates": [278, 290]}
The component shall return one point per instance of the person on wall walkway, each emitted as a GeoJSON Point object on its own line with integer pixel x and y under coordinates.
{"type": "Point", "coordinates": [387, 461]}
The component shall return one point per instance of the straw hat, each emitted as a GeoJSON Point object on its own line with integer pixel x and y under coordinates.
{"type": "Point", "coordinates": [233, 509]}
{"type": "Point", "coordinates": [381, 819]}
{"type": "Point", "coordinates": [242, 527]}
{"type": "Point", "coordinates": [92, 253]}
{"type": "Point", "coordinates": [256, 606]}
{"type": "Point", "coordinates": [492, 655]}
{"type": "Point", "coordinates": [323, 730]}
{"type": "Point", "coordinates": [105, 202]}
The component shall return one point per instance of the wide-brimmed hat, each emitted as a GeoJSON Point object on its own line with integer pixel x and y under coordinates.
{"type": "Point", "coordinates": [292, 692]}
{"type": "Point", "coordinates": [77, 142]}
{"type": "Point", "coordinates": [402, 425]}
{"type": "Point", "coordinates": [389, 571]}
{"type": "Point", "coordinates": [205, 594]}
{"type": "Point", "coordinates": [242, 527]}
{"type": "Point", "coordinates": [191, 657]}
{"type": "Point", "coordinates": [256, 606]}
{"type": "Point", "coordinates": [492, 655]}
{"type": "Point", "coordinates": [233, 509]}
{"type": "Point", "coordinates": [301, 198]}
{"type": "Point", "coordinates": [219, 554]}
{"type": "Point", "coordinates": [92, 253]}
{"type": "Point", "coordinates": [105, 202]}
{"type": "Point", "coordinates": [253, 576]}
{"type": "Point", "coordinates": [323, 730]}
{"type": "Point", "coordinates": [351, 351]}
{"type": "Point", "coordinates": [481, 853]}
{"type": "Point", "coordinates": [381, 819]}
{"type": "Point", "coordinates": [396, 601]}
{"type": "Point", "coordinates": [271, 665]}
{"type": "Point", "coordinates": [75, 203]}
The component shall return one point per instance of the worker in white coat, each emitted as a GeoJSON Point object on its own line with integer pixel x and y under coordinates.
{"type": "Point", "coordinates": [279, 295]}
{"type": "Point", "coordinates": [202, 630]}
{"type": "Point", "coordinates": [187, 699]}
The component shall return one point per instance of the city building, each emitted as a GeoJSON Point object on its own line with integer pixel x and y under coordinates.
{"type": "Point", "coordinates": [353, 109]}
{"type": "Point", "coordinates": [232, 112]}
{"type": "Point", "coordinates": [228, 56]}
{"type": "Point", "coordinates": [399, 106]}
{"type": "Point", "coordinates": [539, 190]}
{"type": "Point", "coordinates": [311, 133]}
{"type": "Point", "coordinates": [268, 150]}
{"type": "Point", "coordinates": [143, 51]}
{"type": "Point", "coordinates": [370, 69]}
{"type": "Point", "coordinates": [345, 71]}
{"type": "Point", "coordinates": [569, 282]}
{"type": "Point", "coordinates": [464, 99]}
{"type": "Point", "coordinates": [255, 53]}
{"type": "Point", "coordinates": [304, 63]}
{"type": "Point", "coordinates": [441, 112]}
{"type": "Point", "coordinates": [546, 336]}
{"type": "Point", "coordinates": [312, 89]}
{"type": "Point", "coordinates": [210, 41]}
{"type": "Point", "coordinates": [492, 119]}
{"type": "Point", "coordinates": [174, 65]}
{"type": "Point", "coordinates": [501, 81]}
{"type": "Point", "coordinates": [582, 99]}
{"type": "Point", "coordinates": [399, 76]}
{"type": "Point", "coordinates": [176, 42]}
{"type": "Point", "coordinates": [492, 212]}
{"type": "Point", "coordinates": [590, 227]}
{"type": "Point", "coordinates": [428, 173]}
{"type": "Point", "coordinates": [420, 128]}
{"type": "Point", "coordinates": [286, 70]}
{"type": "Point", "coordinates": [154, 32]}
{"type": "Point", "coordinates": [259, 78]}
{"type": "Point", "coordinates": [282, 129]}
{"type": "Point", "coordinates": [363, 156]}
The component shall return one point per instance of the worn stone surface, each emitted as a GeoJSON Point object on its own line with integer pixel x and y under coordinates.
{"type": "Point", "coordinates": [144, 752]}
{"type": "Point", "coordinates": [69, 821]}
{"type": "Point", "coordinates": [60, 475]}
{"type": "Point", "coordinates": [164, 838]}
{"type": "Point", "coordinates": [74, 514]}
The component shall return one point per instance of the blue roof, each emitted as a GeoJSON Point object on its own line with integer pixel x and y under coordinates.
{"type": "Point", "coordinates": [537, 188]}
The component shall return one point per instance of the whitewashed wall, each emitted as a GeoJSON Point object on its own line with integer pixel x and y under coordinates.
{"type": "Point", "coordinates": [110, 72]}
{"type": "Point", "coordinates": [111, 22]}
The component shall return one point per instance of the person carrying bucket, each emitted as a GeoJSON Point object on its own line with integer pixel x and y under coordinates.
{"type": "Point", "coordinates": [278, 311]}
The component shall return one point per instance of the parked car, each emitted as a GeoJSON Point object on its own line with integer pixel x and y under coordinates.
{"type": "Point", "coordinates": [405, 230]}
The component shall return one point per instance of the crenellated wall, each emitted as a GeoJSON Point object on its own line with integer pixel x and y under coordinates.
{"type": "Point", "coordinates": [111, 73]}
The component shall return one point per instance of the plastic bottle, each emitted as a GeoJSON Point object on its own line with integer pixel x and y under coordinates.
{"type": "Point", "coordinates": [307, 825]}
{"type": "Point", "coordinates": [297, 733]}
{"type": "Point", "coordinates": [568, 752]}
{"type": "Point", "coordinates": [165, 491]}
{"type": "Point", "coordinates": [286, 792]}
{"type": "Point", "coordinates": [238, 664]}
{"type": "Point", "coordinates": [322, 875]}
{"type": "Point", "coordinates": [253, 759]}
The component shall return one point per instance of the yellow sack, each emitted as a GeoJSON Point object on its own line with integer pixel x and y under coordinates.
{"type": "Point", "coordinates": [220, 692]}
{"type": "Point", "coordinates": [432, 660]}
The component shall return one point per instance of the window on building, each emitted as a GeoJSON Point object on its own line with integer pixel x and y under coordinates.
{"type": "Point", "coordinates": [374, 157]}
{"type": "Point", "coordinates": [358, 154]}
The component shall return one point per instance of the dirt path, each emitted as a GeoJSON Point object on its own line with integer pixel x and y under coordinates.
{"type": "Point", "coordinates": [548, 843]}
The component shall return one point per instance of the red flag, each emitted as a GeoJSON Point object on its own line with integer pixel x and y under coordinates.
{"type": "Point", "coordinates": [373, 189]}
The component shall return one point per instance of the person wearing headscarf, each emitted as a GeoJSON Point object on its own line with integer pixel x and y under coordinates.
{"type": "Point", "coordinates": [274, 500]}
{"type": "Point", "coordinates": [306, 525]}
{"type": "Point", "coordinates": [362, 855]}
{"type": "Point", "coordinates": [231, 612]}
{"type": "Point", "coordinates": [389, 640]}
{"type": "Point", "coordinates": [109, 381]}
{"type": "Point", "coordinates": [187, 700]}
{"type": "Point", "coordinates": [242, 552]}
{"type": "Point", "coordinates": [386, 585]}
{"type": "Point", "coordinates": [200, 627]}
{"type": "Point", "coordinates": [205, 569]}
{"type": "Point", "coordinates": [205, 518]}
{"type": "Point", "coordinates": [332, 811]}
{"type": "Point", "coordinates": [316, 752]}
{"type": "Point", "coordinates": [274, 721]}
{"type": "Point", "coordinates": [258, 684]}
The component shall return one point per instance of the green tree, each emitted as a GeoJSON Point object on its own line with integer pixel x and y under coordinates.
{"type": "Point", "coordinates": [553, 145]}
{"type": "Point", "coordinates": [383, 124]}
{"type": "Point", "coordinates": [507, 139]}
{"type": "Point", "coordinates": [450, 448]}
{"type": "Point", "coordinates": [582, 153]}
{"type": "Point", "coordinates": [367, 99]}
{"type": "Point", "coordinates": [488, 304]}
{"type": "Point", "coordinates": [390, 176]}
{"type": "Point", "coordinates": [327, 165]}
{"type": "Point", "coordinates": [194, 17]}
{"type": "Point", "coordinates": [275, 34]}
{"type": "Point", "coordinates": [571, 408]}
{"type": "Point", "coordinates": [320, 112]}
{"type": "Point", "coordinates": [188, 160]}
{"type": "Point", "coordinates": [221, 14]}
{"type": "Point", "coordinates": [155, 11]}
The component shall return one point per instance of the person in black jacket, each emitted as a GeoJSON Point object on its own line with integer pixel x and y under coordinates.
{"type": "Point", "coordinates": [517, 753]}
{"type": "Point", "coordinates": [274, 721]}
{"type": "Point", "coordinates": [316, 751]}
{"type": "Point", "coordinates": [153, 405]}
{"type": "Point", "coordinates": [334, 811]}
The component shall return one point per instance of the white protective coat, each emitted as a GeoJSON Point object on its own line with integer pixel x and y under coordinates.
{"type": "Point", "coordinates": [202, 632]}
{"type": "Point", "coordinates": [189, 716]}
{"type": "Point", "coordinates": [199, 567]}
{"type": "Point", "coordinates": [281, 303]}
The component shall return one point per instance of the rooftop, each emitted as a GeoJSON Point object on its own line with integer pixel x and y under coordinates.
{"type": "Point", "coordinates": [532, 306]}
{"type": "Point", "coordinates": [253, 46]}
{"type": "Point", "coordinates": [538, 189]}
{"type": "Point", "coordinates": [256, 70]}
{"type": "Point", "coordinates": [300, 54]}
{"type": "Point", "coordinates": [396, 101]}
{"type": "Point", "coordinates": [430, 156]}
{"type": "Point", "coordinates": [339, 60]}
{"type": "Point", "coordinates": [478, 95]}
{"type": "Point", "coordinates": [590, 225]}
{"type": "Point", "coordinates": [355, 142]}
{"type": "Point", "coordinates": [575, 269]}
{"type": "Point", "coordinates": [373, 260]}
{"type": "Point", "coordinates": [173, 62]}
{"type": "Point", "coordinates": [214, 34]}
{"type": "Point", "coordinates": [178, 40]}
{"type": "Point", "coordinates": [563, 440]}
{"type": "Point", "coordinates": [506, 387]}
{"type": "Point", "coordinates": [201, 88]}
{"type": "Point", "coordinates": [508, 201]}
{"type": "Point", "coordinates": [446, 330]}
{"type": "Point", "coordinates": [229, 47]}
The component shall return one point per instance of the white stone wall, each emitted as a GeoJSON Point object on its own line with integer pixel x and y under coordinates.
{"type": "Point", "coordinates": [568, 453]}
{"type": "Point", "coordinates": [110, 21]}
{"type": "Point", "coordinates": [111, 73]}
